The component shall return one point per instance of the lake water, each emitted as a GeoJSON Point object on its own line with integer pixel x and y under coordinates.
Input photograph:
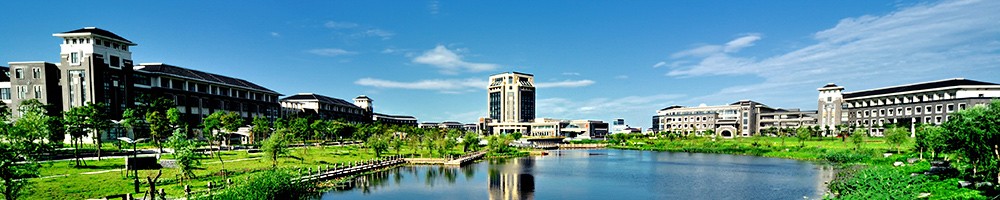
{"type": "Point", "coordinates": [600, 174]}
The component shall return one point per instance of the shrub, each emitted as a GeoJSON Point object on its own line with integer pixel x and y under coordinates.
{"type": "Point", "coordinates": [268, 185]}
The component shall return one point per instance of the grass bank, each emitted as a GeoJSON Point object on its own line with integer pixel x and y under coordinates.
{"type": "Point", "coordinates": [866, 173]}
{"type": "Point", "coordinates": [98, 179]}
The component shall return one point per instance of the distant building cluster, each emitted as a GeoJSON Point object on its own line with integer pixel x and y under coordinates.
{"type": "Point", "coordinates": [511, 100]}
{"type": "Point", "coordinates": [903, 105]}
{"type": "Point", "coordinates": [96, 66]}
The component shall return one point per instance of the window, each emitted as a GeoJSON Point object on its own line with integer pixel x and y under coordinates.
{"type": "Point", "coordinates": [115, 61]}
{"type": "Point", "coordinates": [36, 73]}
{"type": "Point", "coordinates": [908, 109]}
{"type": "Point", "coordinates": [74, 57]}
{"type": "Point", "coordinates": [899, 111]}
{"type": "Point", "coordinates": [961, 106]}
{"type": "Point", "coordinates": [829, 99]}
{"type": "Point", "coordinates": [22, 91]}
{"type": "Point", "coordinates": [38, 91]}
{"type": "Point", "coordinates": [19, 73]}
{"type": "Point", "coordinates": [918, 110]}
{"type": "Point", "coordinates": [927, 110]}
{"type": "Point", "coordinates": [951, 107]}
{"type": "Point", "coordinates": [5, 93]}
{"type": "Point", "coordinates": [939, 108]}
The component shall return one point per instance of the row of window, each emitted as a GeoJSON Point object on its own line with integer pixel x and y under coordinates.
{"type": "Point", "coordinates": [213, 89]}
{"type": "Point", "coordinates": [903, 99]}
{"type": "Point", "coordinates": [882, 122]}
{"type": "Point", "coordinates": [917, 110]}
{"type": "Point", "coordinates": [22, 92]}
{"type": "Point", "coordinates": [36, 73]}
{"type": "Point", "coordinates": [97, 41]}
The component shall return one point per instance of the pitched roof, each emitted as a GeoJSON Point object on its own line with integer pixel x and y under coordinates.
{"type": "Point", "coordinates": [101, 32]}
{"type": "Point", "coordinates": [200, 75]}
{"type": "Point", "coordinates": [917, 86]}
{"type": "Point", "coordinates": [395, 116]}
{"type": "Point", "coordinates": [320, 98]}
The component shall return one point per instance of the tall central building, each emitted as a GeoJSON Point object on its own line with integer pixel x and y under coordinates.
{"type": "Point", "coordinates": [512, 97]}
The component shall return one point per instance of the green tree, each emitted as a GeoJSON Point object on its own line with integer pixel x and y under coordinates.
{"type": "Point", "coordinates": [98, 121]}
{"type": "Point", "coordinates": [803, 133]}
{"type": "Point", "coordinates": [397, 144]}
{"type": "Point", "coordinates": [184, 152]}
{"type": "Point", "coordinates": [516, 135]}
{"type": "Point", "coordinates": [470, 142]}
{"type": "Point", "coordinates": [76, 126]}
{"type": "Point", "coordinates": [975, 137]}
{"type": "Point", "coordinates": [931, 138]}
{"type": "Point", "coordinates": [261, 128]}
{"type": "Point", "coordinates": [20, 145]}
{"type": "Point", "coordinates": [858, 137]}
{"type": "Point", "coordinates": [379, 144]}
{"type": "Point", "coordinates": [159, 126]}
{"type": "Point", "coordinates": [896, 136]}
{"type": "Point", "coordinates": [275, 146]}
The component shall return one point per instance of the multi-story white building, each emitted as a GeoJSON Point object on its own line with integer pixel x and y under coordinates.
{"type": "Point", "coordinates": [742, 118]}
{"type": "Point", "coordinates": [512, 97]}
{"type": "Point", "coordinates": [903, 105]}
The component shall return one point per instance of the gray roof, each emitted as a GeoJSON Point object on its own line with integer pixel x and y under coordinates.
{"type": "Point", "coordinates": [202, 76]}
{"type": "Point", "coordinates": [320, 98]}
{"type": "Point", "coordinates": [917, 86]}
{"type": "Point", "coordinates": [101, 32]}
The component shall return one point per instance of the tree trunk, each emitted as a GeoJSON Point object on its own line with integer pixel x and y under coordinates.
{"type": "Point", "coordinates": [100, 145]}
{"type": "Point", "coordinates": [76, 151]}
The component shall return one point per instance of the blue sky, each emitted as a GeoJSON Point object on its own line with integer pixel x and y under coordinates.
{"type": "Point", "coordinates": [596, 59]}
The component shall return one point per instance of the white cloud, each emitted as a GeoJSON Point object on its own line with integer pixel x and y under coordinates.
{"type": "Point", "coordinates": [385, 35]}
{"type": "Point", "coordinates": [570, 74]}
{"type": "Point", "coordinates": [450, 86]}
{"type": "Point", "coordinates": [275, 34]}
{"type": "Point", "coordinates": [567, 83]}
{"type": "Point", "coordinates": [660, 64]}
{"type": "Point", "coordinates": [434, 7]}
{"type": "Point", "coordinates": [455, 86]}
{"type": "Point", "coordinates": [340, 25]}
{"type": "Point", "coordinates": [331, 52]}
{"type": "Point", "coordinates": [601, 107]}
{"type": "Point", "coordinates": [740, 43]}
{"type": "Point", "coordinates": [451, 63]}
{"type": "Point", "coordinates": [912, 44]}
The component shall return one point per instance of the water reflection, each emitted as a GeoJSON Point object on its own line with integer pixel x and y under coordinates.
{"type": "Point", "coordinates": [598, 174]}
{"type": "Point", "coordinates": [512, 186]}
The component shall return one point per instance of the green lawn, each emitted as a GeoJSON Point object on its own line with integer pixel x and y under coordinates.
{"type": "Point", "coordinates": [239, 164]}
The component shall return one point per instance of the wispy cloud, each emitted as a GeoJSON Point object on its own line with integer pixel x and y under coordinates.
{"type": "Point", "coordinates": [454, 86]}
{"type": "Point", "coordinates": [385, 35]}
{"type": "Point", "coordinates": [570, 74]}
{"type": "Point", "coordinates": [355, 30]}
{"type": "Point", "coordinates": [659, 64]}
{"type": "Point", "coordinates": [275, 34]}
{"type": "Point", "coordinates": [434, 7]}
{"type": "Point", "coordinates": [340, 25]}
{"type": "Point", "coordinates": [567, 83]}
{"type": "Point", "coordinates": [443, 85]}
{"type": "Point", "coordinates": [448, 62]}
{"type": "Point", "coordinates": [915, 43]}
{"type": "Point", "coordinates": [601, 107]}
{"type": "Point", "coordinates": [734, 45]}
{"type": "Point", "coordinates": [331, 52]}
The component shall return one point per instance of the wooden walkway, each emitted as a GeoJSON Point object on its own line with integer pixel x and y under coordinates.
{"type": "Point", "coordinates": [465, 159]}
{"type": "Point", "coordinates": [343, 170]}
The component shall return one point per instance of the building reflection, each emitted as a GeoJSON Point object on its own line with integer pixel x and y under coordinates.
{"type": "Point", "coordinates": [512, 182]}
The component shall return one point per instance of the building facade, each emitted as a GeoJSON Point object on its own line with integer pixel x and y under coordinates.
{"type": "Point", "coordinates": [400, 120]}
{"type": "Point", "coordinates": [743, 118]}
{"type": "Point", "coordinates": [96, 67]}
{"type": "Point", "coordinates": [904, 105]}
{"type": "Point", "coordinates": [512, 97]}
{"type": "Point", "coordinates": [326, 108]}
